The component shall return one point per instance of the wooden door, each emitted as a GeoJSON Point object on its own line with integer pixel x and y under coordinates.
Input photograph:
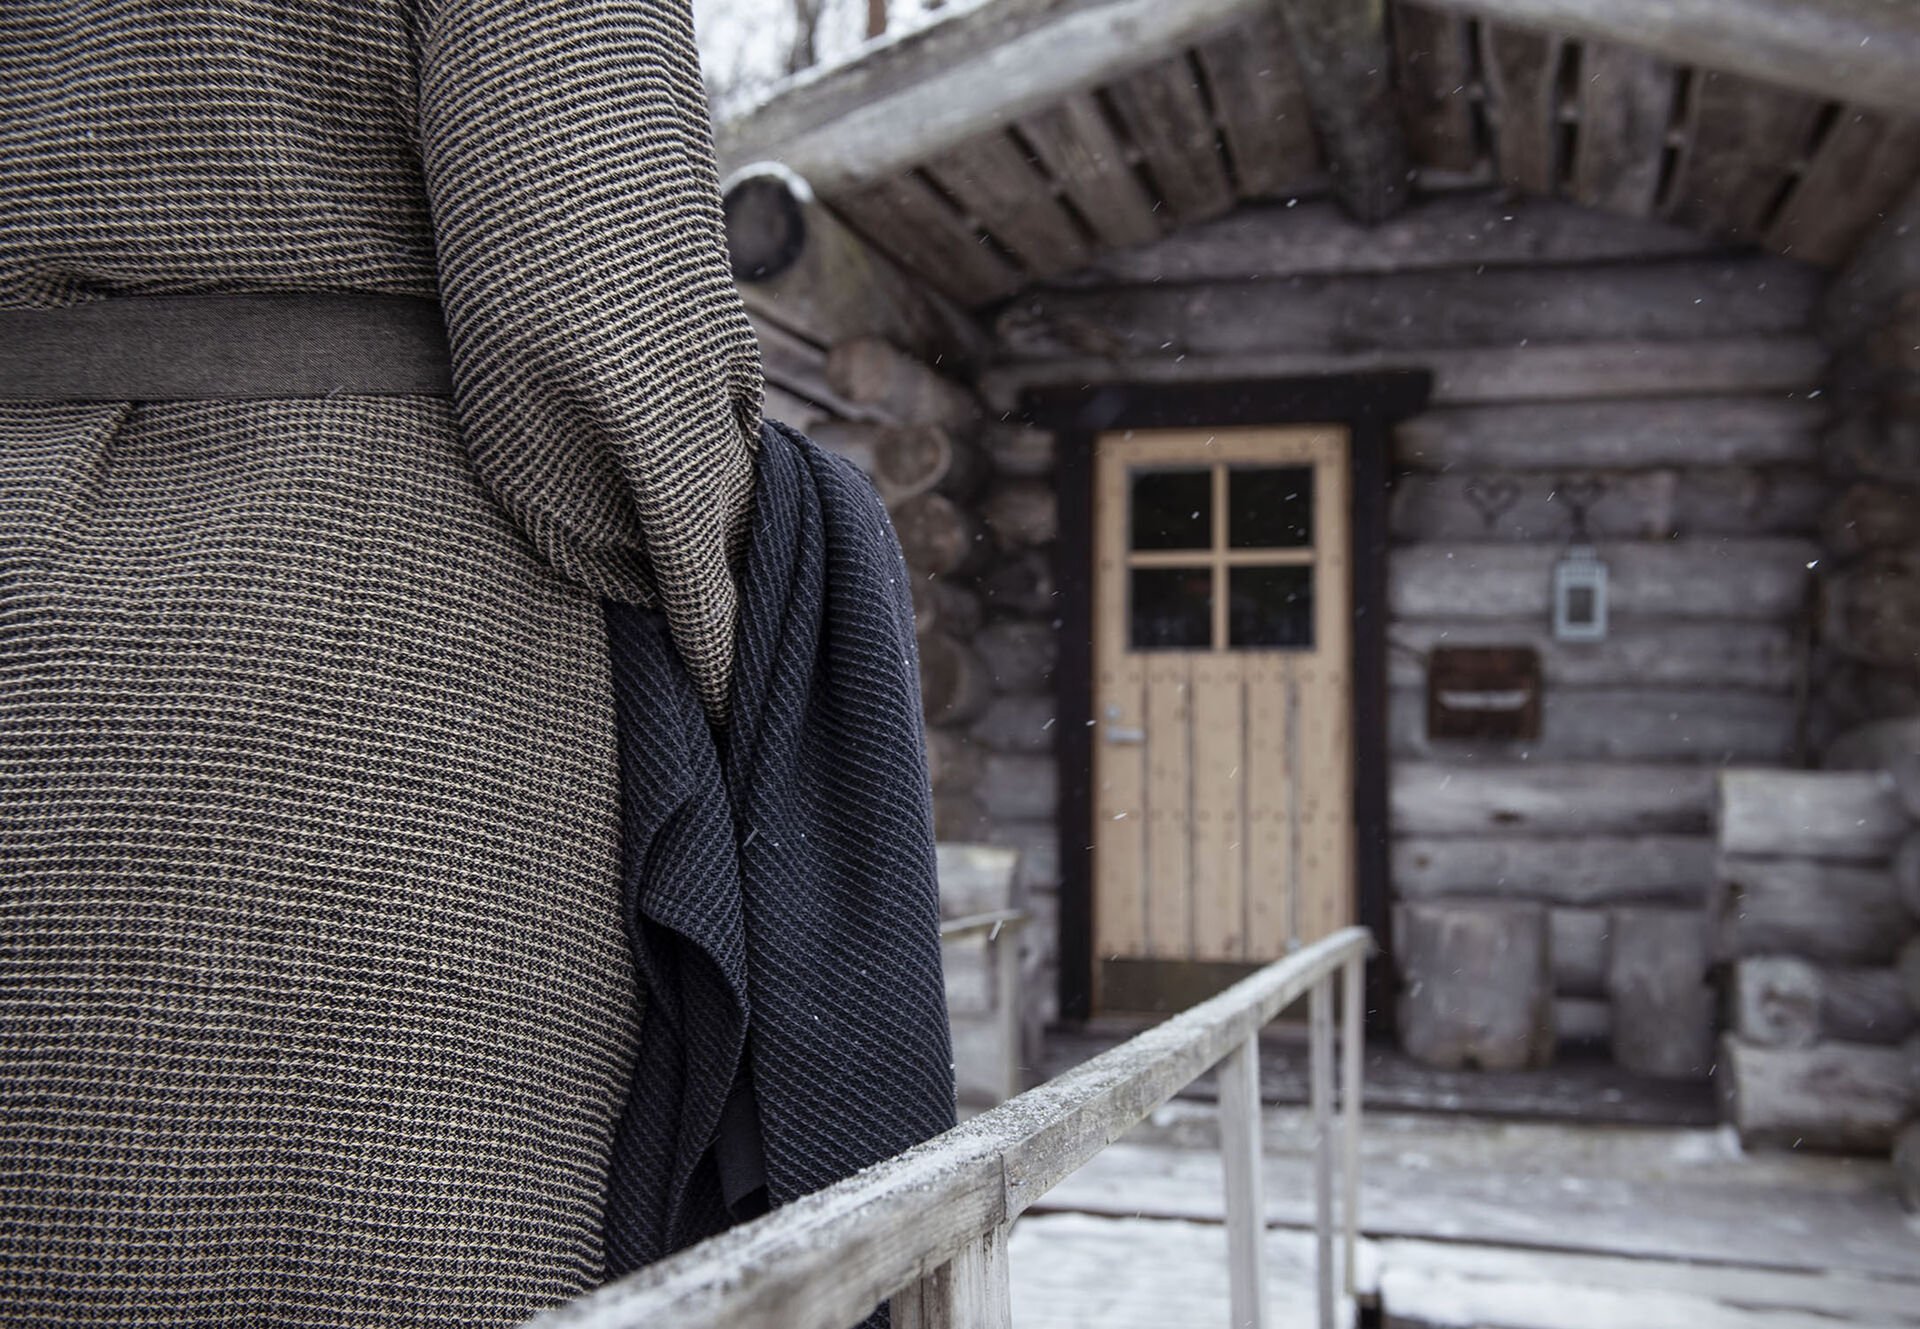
{"type": "Point", "coordinates": [1222, 658]}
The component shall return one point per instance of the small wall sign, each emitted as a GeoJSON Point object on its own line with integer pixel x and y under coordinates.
{"type": "Point", "coordinates": [1580, 577]}
{"type": "Point", "coordinates": [1580, 595]}
{"type": "Point", "coordinates": [1483, 692]}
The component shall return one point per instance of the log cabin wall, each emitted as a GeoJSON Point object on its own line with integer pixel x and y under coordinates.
{"type": "Point", "coordinates": [1013, 160]}
{"type": "Point", "coordinates": [1869, 665]}
{"type": "Point", "coordinates": [1675, 378]}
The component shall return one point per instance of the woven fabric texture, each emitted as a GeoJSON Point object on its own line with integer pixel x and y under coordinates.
{"type": "Point", "coordinates": [315, 1002]}
{"type": "Point", "coordinates": [780, 884]}
{"type": "Point", "coordinates": [544, 167]}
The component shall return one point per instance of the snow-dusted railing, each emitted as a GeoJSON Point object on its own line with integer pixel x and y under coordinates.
{"type": "Point", "coordinates": [928, 1228]}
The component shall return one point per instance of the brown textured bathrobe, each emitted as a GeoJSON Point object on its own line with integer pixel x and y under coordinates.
{"type": "Point", "coordinates": [315, 1006]}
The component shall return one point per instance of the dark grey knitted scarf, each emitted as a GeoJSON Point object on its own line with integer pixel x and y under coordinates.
{"type": "Point", "coordinates": [779, 887]}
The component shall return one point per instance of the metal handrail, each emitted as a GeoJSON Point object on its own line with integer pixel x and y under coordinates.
{"type": "Point", "coordinates": [928, 1228]}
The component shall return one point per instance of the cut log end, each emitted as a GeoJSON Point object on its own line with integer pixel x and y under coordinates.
{"type": "Point", "coordinates": [936, 535]}
{"type": "Point", "coordinates": [1478, 989]}
{"type": "Point", "coordinates": [954, 686]}
{"type": "Point", "coordinates": [766, 229]}
{"type": "Point", "coordinates": [1837, 1096]}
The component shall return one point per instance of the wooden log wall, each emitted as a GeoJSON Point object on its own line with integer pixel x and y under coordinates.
{"type": "Point", "coordinates": [1870, 577]}
{"type": "Point", "coordinates": [1866, 688]}
{"type": "Point", "coordinates": [1546, 323]}
{"type": "Point", "coordinates": [1816, 918]}
{"type": "Point", "coordinates": [1705, 507]}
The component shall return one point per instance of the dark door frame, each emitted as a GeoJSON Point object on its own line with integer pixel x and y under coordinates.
{"type": "Point", "coordinates": [1368, 405]}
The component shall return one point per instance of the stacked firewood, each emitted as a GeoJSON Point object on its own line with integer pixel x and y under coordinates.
{"type": "Point", "coordinates": [1817, 919]}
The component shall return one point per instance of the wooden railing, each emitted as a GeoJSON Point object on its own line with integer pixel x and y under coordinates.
{"type": "Point", "coordinates": [929, 1228]}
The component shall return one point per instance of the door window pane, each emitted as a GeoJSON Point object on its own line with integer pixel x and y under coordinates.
{"type": "Point", "coordinates": [1172, 509]}
{"type": "Point", "coordinates": [1269, 507]}
{"type": "Point", "coordinates": [1172, 609]}
{"type": "Point", "coordinates": [1270, 607]}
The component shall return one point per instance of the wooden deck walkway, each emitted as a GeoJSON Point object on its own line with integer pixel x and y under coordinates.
{"type": "Point", "coordinates": [1485, 1224]}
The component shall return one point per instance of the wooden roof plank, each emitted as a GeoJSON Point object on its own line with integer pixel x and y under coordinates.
{"type": "Point", "coordinates": [1521, 68]}
{"type": "Point", "coordinates": [1433, 72]}
{"type": "Point", "coordinates": [1163, 113]}
{"type": "Point", "coordinates": [1865, 164]}
{"type": "Point", "coordinates": [906, 218]}
{"type": "Point", "coordinates": [1626, 105]}
{"type": "Point", "coordinates": [1743, 140]}
{"type": "Point", "coordinates": [992, 178]}
{"type": "Point", "coordinates": [1863, 51]}
{"type": "Point", "coordinates": [1261, 108]}
{"type": "Point", "coordinates": [1079, 149]}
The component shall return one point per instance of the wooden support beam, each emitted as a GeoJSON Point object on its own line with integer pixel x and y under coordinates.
{"type": "Point", "coordinates": [1663, 302]}
{"type": "Point", "coordinates": [1585, 371]}
{"type": "Point", "coordinates": [1860, 51]}
{"type": "Point", "coordinates": [1340, 47]}
{"type": "Point", "coordinates": [980, 68]}
{"type": "Point", "coordinates": [800, 266]}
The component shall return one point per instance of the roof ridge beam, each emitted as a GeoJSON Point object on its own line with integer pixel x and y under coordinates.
{"type": "Point", "coordinates": [905, 100]}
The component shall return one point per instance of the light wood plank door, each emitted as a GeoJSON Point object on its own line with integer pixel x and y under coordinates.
{"type": "Point", "coordinates": [1223, 750]}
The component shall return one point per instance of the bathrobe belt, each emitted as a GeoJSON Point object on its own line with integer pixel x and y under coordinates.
{"type": "Point", "coordinates": [225, 347]}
